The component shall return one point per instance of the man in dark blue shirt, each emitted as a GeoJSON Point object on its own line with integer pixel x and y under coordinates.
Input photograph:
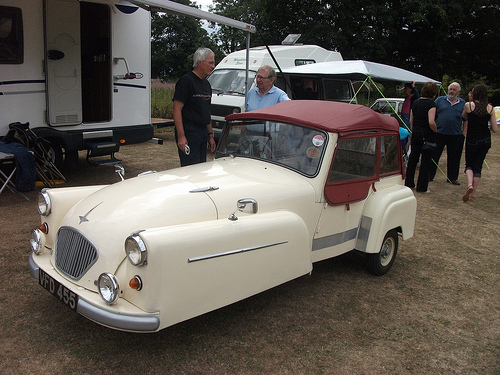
{"type": "Point", "coordinates": [449, 110]}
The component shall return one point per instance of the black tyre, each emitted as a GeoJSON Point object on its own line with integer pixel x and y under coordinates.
{"type": "Point", "coordinates": [381, 262]}
{"type": "Point", "coordinates": [55, 153]}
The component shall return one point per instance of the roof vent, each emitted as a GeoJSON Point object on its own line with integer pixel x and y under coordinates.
{"type": "Point", "coordinates": [291, 39]}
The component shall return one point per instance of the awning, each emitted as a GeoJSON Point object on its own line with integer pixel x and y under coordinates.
{"type": "Point", "coordinates": [184, 10]}
{"type": "Point", "coordinates": [359, 70]}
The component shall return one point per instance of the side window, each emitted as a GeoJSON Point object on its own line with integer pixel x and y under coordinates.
{"type": "Point", "coordinates": [389, 155]}
{"type": "Point", "coordinates": [11, 36]}
{"type": "Point", "coordinates": [305, 87]}
{"type": "Point", "coordinates": [299, 62]}
{"type": "Point", "coordinates": [336, 89]}
{"type": "Point", "coordinates": [354, 159]}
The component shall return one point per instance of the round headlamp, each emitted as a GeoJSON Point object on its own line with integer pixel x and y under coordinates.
{"type": "Point", "coordinates": [108, 287]}
{"type": "Point", "coordinates": [43, 204]}
{"type": "Point", "coordinates": [37, 241]}
{"type": "Point", "coordinates": [136, 251]}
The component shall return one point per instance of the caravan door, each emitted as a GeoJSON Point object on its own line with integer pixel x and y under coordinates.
{"type": "Point", "coordinates": [63, 62]}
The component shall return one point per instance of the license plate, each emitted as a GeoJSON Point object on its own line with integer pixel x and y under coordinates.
{"type": "Point", "coordinates": [65, 295]}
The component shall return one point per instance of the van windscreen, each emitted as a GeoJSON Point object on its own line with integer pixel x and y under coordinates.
{"type": "Point", "coordinates": [230, 81]}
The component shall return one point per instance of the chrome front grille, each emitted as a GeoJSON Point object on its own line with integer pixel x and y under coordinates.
{"type": "Point", "coordinates": [74, 253]}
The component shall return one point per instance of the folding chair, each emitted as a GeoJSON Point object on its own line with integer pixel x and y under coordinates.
{"type": "Point", "coordinates": [46, 170]}
{"type": "Point", "coordinates": [4, 178]}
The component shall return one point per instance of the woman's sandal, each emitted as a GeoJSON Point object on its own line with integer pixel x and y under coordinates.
{"type": "Point", "coordinates": [467, 194]}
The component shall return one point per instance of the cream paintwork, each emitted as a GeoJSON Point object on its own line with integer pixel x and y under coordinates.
{"type": "Point", "coordinates": [181, 289]}
{"type": "Point", "coordinates": [393, 207]}
{"type": "Point", "coordinates": [200, 260]}
{"type": "Point", "coordinates": [64, 200]}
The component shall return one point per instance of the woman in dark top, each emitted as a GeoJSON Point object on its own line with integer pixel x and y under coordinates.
{"type": "Point", "coordinates": [423, 130]}
{"type": "Point", "coordinates": [476, 114]}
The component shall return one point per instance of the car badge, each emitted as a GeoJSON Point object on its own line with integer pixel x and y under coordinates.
{"type": "Point", "coordinates": [84, 218]}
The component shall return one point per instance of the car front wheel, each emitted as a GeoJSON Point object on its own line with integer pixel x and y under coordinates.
{"type": "Point", "coordinates": [381, 262]}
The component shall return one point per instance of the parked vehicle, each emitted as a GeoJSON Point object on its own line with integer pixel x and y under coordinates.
{"type": "Point", "coordinates": [228, 78]}
{"type": "Point", "coordinates": [78, 72]}
{"type": "Point", "coordinates": [332, 80]}
{"type": "Point", "coordinates": [389, 106]}
{"type": "Point", "coordinates": [302, 85]}
{"type": "Point", "coordinates": [291, 185]}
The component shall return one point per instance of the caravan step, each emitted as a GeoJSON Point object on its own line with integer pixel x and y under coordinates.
{"type": "Point", "coordinates": [104, 161]}
{"type": "Point", "coordinates": [101, 148]}
{"type": "Point", "coordinates": [95, 149]}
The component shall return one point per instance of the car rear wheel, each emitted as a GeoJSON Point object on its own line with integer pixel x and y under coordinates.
{"type": "Point", "coordinates": [381, 262]}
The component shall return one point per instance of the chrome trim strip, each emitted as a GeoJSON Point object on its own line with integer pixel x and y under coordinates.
{"type": "Point", "coordinates": [334, 239]}
{"type": "Point", "coordinates": [22, 92]}
{"type": "Point", "coordinates": [134, 323]}
{"type": "Point", "coordinates": [232, 252]}
{"type": "Point", "coordinates": [97, 134]}
{"type": "Point", "coordinates": [364, 231]}
{"type": "Point", "coordinates": [34, 269]}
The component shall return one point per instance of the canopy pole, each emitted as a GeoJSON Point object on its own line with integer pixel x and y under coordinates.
{"type": "Point", "coordinates": [356, 93]}
{"type": "Point", "coordinates": [247, 67]}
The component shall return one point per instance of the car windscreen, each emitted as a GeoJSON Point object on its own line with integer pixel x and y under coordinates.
{"type": "Point", "coordinates": [292, 146]}
{"type": "Point", "coordinates": [230, 81]}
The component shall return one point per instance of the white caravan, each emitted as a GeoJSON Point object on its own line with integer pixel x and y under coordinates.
{"type": "Point", "coordinates": [79, 71]}
{"type": "Point", "coordinates": [228, 78]}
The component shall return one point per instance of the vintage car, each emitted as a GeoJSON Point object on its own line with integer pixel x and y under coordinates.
{"type": "Point", "coordinates": [291, 184]}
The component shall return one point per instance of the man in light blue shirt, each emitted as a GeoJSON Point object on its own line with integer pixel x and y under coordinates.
{"type": "Point", "coordinates": [265, 94]}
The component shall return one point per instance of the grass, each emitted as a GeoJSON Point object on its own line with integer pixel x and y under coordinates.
{"type": "Point", "coordinates": [162, 102]}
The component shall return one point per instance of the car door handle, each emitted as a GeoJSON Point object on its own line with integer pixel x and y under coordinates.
{"type": "Point", "coordinates": [204, 189]}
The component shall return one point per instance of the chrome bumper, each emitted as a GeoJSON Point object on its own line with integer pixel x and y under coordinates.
{"type": "Point", "coordinates": [131, 323]}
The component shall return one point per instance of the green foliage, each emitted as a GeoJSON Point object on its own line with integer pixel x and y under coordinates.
{"type": "Point", "coordinates": [433, 38]}
{"type": "Point", "coordinates": [161, 102]}
{"type": "Point", "coordinates": [458, 38]}
{"type": "Point", "coordinates": [174, 39]}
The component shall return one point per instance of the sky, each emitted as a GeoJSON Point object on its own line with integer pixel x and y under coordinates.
{"type": "Point", "coordinates": [204, 3]}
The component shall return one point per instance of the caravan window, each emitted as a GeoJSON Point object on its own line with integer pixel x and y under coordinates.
{"type": "Point", "coordinates": [299, 62]}
{"type": "Point", "coordinates": [11, 36]}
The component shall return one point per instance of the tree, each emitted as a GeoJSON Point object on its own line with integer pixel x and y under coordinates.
{"type": "Point", "coordinates": [425, 36]}
{"type": "Point", "coordinates": [174, 39]}
{"type": "Point", "coordinates": [228, 38]}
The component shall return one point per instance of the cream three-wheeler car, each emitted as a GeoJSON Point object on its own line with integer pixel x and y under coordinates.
{"type": "Point", "coordinates": [291, 185]}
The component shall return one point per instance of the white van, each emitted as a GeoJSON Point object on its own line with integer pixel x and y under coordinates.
{"type": "Point", "coordinates": [228, 78]}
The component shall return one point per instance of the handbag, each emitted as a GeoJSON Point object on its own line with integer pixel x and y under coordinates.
{"type": "Point", "coordinates": [428, 146]}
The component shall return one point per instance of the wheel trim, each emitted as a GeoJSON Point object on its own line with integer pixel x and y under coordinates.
{"type": "Point", "coordinates": [387, 251]}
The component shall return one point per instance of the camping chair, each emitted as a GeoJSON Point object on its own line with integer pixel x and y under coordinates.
{"type": "Point", "coordinates": [46, 170]}
{"type": "Point", "coordinates": [6, 178]}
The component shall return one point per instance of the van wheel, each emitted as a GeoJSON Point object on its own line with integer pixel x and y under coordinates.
{"type": "Point", "coordinates": [380, 263]}
{"type": "Point", "coordinates": [55, 153]}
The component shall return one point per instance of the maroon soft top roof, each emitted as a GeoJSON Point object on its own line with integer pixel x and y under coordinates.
{"type": "Point", "coordinates": [333, 117]}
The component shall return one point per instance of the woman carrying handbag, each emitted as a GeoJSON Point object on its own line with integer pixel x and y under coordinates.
{"type": "Point", "coordinates": [423, 137]}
